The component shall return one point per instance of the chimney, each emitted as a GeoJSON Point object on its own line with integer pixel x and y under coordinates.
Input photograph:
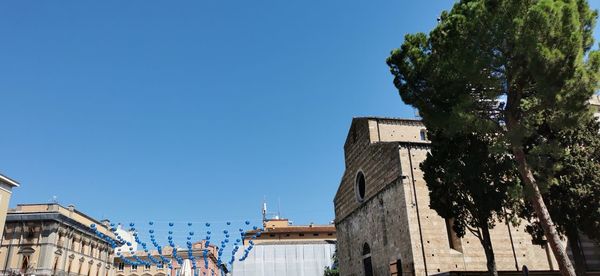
{"type": "Point", "coordinates": [71, 208]}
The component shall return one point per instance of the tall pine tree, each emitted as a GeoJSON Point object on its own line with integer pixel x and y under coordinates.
{"type": "Point", "coordinates": [535, 55]}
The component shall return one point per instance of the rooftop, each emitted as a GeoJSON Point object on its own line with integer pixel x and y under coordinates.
{"type": "Point", "coordinates": [44, 211]}
{"type": "Point", "coordinates": [7, 180]}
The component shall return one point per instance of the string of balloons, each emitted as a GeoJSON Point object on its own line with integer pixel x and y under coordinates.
{"type": "Point", "coordinates": [120, 244]}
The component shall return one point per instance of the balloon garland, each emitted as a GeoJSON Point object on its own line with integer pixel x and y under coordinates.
{"type": "Point", "coordinates": [122, 246]}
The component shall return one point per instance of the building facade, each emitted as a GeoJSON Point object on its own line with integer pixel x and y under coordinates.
{"type": "Point", "coordinates": [283, 249]}
{"type": "Point", "coordinates": [6, 186]}
{"type": "Point", "coordinates": [49, 239]}
{"type": "Point", "coordinates": [161, 269]}
{"type": "Point", "coordinates": [383, 220]}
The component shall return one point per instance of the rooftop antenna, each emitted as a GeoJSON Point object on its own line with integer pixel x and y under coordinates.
{"type": "Point", "coordinates": [279, 207]}
{"type": "Point", "coordinates": [264, 209]}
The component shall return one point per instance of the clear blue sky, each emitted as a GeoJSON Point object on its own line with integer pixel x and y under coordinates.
{"type": "Point", "coordinates": [193, 110]}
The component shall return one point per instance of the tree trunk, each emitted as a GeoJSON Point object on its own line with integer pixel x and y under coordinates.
{"type": "Point", "coordinates": [573, 236]}
{"type": "Point", "coordinates": [535, 197]}
{"type": "Point", "coordinates": [486, 242]}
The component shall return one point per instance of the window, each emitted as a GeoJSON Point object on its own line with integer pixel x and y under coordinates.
{"type": "Point", "coordinates": [121, 266]}
{"type": "Point", "coordinates": [147, 267]}
{"type": "Point", "coordinates": [396, 268]}
{"type": "Point", "coordinates": [454, 241]}
{"type": "Point", "coordinates": [423, 133]}
{"type": "Point", "coordinates": [360, 186]}
{"type": "Point", "coordinates": [315, 234]}
{"type": "Point", "coordinates": [301, 235]}
{"type": "Point", "coordinates": [55, 267]}
{"type": "Point", "coordinates": [367, 265]}
{"type": "Point", "coordinates": [25, 265]}
{"type": "Point", "coordinates": [133, 267]}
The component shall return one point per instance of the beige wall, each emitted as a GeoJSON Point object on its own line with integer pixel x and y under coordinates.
{"type": "Point", "coordinates": [6, 185]}
{"type": "Point", "coordinates": [4, 201]}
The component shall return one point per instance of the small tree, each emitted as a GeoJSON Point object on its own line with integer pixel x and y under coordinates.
{"type": "Point", "coordinates": [534, 55]}
{"type": "Point", "coordinates": [469, 184]}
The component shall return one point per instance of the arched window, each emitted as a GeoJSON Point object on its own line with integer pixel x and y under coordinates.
{"type": "Point", "coordinates": [367, 265]}
{"type": "Point", "coordinates": [360, 186]}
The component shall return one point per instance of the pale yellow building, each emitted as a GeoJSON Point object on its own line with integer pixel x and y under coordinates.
{"type": "Point", "coordinates": [386, 227]}
{"type": "Point", "coordinates": [49, 239]}
{"type": "Point", "coordinates": [6, 186]}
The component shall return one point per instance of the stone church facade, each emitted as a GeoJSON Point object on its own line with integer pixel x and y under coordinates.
{"type": "Point", "coordinates": [384, 223]}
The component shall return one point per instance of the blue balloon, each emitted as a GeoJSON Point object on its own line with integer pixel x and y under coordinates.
{"type": "Point", "coordinates": [151, 223]}
{"type": "Point", "coordinates": [191, 233]}
{"type": "Point", "coordinates": [131, 224]}
{"type": "Point", "coordinates": [171, 224]}
{"type": "Point", "coordinates": [207, 224]}
{"type": "Point", "coordinates": [189, 224]}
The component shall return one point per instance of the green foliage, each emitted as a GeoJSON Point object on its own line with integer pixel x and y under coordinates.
{"type": "Point", "coordinates": [573, 199]}
{"type": "Point", "coordinates": [333, 270]}
{"type": "Point", "coordinates": [467, 182]}
{"type": "Point", "coordinates": [528, 52]}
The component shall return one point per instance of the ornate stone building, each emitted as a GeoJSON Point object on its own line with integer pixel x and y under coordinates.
{"type": "Point", "coordinates": [49, 239]}
{"type": "Point", "coordinates": [384, 223]}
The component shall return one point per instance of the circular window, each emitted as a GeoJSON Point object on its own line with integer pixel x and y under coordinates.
{"type": "Point", "coordinates": [360, 186]}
